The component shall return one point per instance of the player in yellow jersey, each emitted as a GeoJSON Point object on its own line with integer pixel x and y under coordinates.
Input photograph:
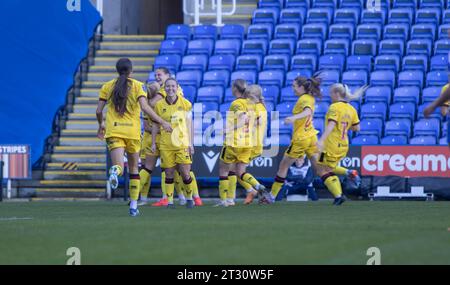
{"type": "Point", "coordinates": [446, 105]}
{"type": "Point", "coordinates": [304, 136]}
{"type": "Point", "coordinates": [124, 98]}
{"type": "Point", "coordinates": [237, 149]}
{"type": "Point", "coordinates": [176, 147]}
{"type": "Point", "coordinates": [442, 100]}
{"type": "Point", "coordinates": [333, 144]}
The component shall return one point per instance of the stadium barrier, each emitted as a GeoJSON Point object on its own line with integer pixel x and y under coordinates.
{"type": "Point", "coordinates": [1, 180]}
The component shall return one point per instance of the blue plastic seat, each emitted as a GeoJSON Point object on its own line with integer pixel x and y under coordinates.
{"type": "Point", "coordinates": [401, 15]}
{"type": "Point", "coordinates": [282, 46]}
{"type": "Point", "coordinates": [443, 141]}
{"type": "Point", "coordinates": [189, 78]}
{"type": "Point", "coordinates": [229, 32]}
{"type": "Point", "coordinates": [228, 95]}
{"type": "Point", "coordinates": [232, 47]}
{"type": "Point", "coordinates": [247, 75]}
{"type": "Point", "coordinates": [270, 94]}
{"type": "Point", "coordinates": [364, 47]}
{"type": "Point", "coordinates": [189, 92]}
{"type": "Point", "coordinates": [441, 46]}
{"type": "Point", "coordinates": [204, 32]}
{"type": "Point", "coordinates": [287, 94]}
{"type": "Point", "coordinates": [423, 31]}
{"type": "Point", "coordinates": [383, 78]}
{"type": "Point", "coordinates": [209, 106]}
{"type": "Point", "coordinates": [437, 78]}
{"type": "Point", "coordinates": [428, 15]}
{"type": "Point", "coordinates": [194, 62]}
{"type": "Point", "coordinates": [419, 46]}
{"type": "Point", "coordinates": [204, 46]}
{"type": "Point", "coordinates": [319, 125]}
{"type": "Point", "coordinates": [359, 62]}
{"type": "Point", "coordinates": [210, 94]}
{"type": "Point", "coordinates": [173, 47]}
{"type": "Point", "coordinates": [439, 62]}
{"type": "Point", "coordinates": [352, 4]}
{"type": "Point", "coordinates": [365, 140]}
{"type": "Point", "coordinates": [405, 3]}
{"type": "Point", "coordinates": [223, 108]}
{"type": "Point", "coordinates": [374, 110]}
{"type": "Point", "coordinates": [176, 31]}
{"type": "Point", "coordinates": [411, 78]}
{"type": "Point", "coordinates": [368, 31]}
{"type": "Point", "coordinates": [337, 46]}
{"type": "Point", "coordinates": [387, 62]}
{"type": "Point", "coordinates": [392, 46]}
{"type": "Point", "coordinates": [291, 75]}
{"type": "Point", "coordinates": [293, 15]}
{"type": "Point", "coordinates": [332, 61]}
{"type": "Point", "coordinates": [270, 3]}
{"type": "Point", "coordinates": [276, 61]}
{"type": "Point", "coordinates": [304, 61]}
{"type": "Point", "coordinates": [270, 106]}
{"type": "Point", "coordinates": [371, 127]}
{"type": "Point", "coordinates": [271, 77]}
{"type": "Point", "coordinates": [249, 62]}
{"type": "Point", "coordinates": [257, 46]}
{"type": "Point", "coordinates": [355, 78]}
{"type": "Point", "coordinates": [316, 30]}
{"type": "Point", "coordinates": [330, 77]}
{"type": "Point", "coordinates": [431, 3]}
{"type": "Point", "coordinates": [265, 15]}
{"type": "Point", "coordinates": [319, 15]}
{"type": "Point", "coordinates": [446, 16]}
{"type": "Point", "coordinates": [373, 17]}
{"type": "Point", "coordinates": [260, 31]}
{"type": "Point", "coordinates": [221, 62]}
{"type": "Point", "coordinates": [170, 61]}
{"type": "Point", "coordinates": [216, 77]}
{"type": "Point", "coordinates": [297, 3]}
{"type": "Point", "coordinates": [430, 94]}
{"type": "Point", "coordinates": [396, 31]}
{"type": "Point", "coordinates": [287, 31]}
{"type": "Point", "coordinates": [402, 111]}
{"type": "Point", "coordinates": [378, 94]}
{"type": "Point", "coordinates": [423, 140]}
{"type": "Point", "coordinates": [436, 114]}
{"type": "Point", "coordinates": [325, 3]}
{"type": "Point", "coordinates": [415, 62]}
{"type": "Point", "coordinates": [342, 31]}
{"type": "Point", "coordinates": [394, 140]}
{"type": "Point", "coordinates": [427, 127]}
{"type": "Point", "coordinates": [443, 31]}
{"type": "Point", "coordinates": [347, 15]}
{"type": "Point", "coordinates": [407, 94]}
{"type": "Point", "coordinates": [309, 46]}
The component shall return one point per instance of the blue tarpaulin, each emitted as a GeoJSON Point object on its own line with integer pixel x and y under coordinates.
{"type": "Point", "coordinates": [42, 43]}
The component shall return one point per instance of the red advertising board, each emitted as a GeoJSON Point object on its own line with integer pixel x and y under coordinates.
{"type": "Point", "coordinates": [406, 161]}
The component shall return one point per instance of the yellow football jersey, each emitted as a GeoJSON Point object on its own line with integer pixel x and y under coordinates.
{"type": "Point", "coordinates": [345, 116]}
{"type": "Point", "coordinates": [442, 91]}
{"type": "Point", "coordinates": [304, 128]}
{"type": "Point", "coordinates": [163, 93]}
{"type": "Point", "coordinates": [261, 128]}
{"type": "Point", "coordinates": [175, 114]}
{"type": "Point", "coordinates": [129, 125]}
{"type": "Point", "coordinates": [240, 137]}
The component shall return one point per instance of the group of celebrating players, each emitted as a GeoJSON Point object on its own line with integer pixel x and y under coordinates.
{"type": "Point", "coordinates": [168, 135]}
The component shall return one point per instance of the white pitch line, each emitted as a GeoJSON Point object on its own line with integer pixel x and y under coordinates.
{"type": "Point", "coordinates": [15, 219]}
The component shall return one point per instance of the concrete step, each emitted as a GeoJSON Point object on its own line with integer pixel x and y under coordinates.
{"type": "Point", "coordinates": [112, 69]}
{"type": "Point", "coordinates": [79, 166]}
{"type": "Point", "coordinates": [111, 61]}
{"type": "Point", "coordinates": [92, 84]}
{"type": "Point", "coordinates": [85, 108]}
{"type": "Point", "coordinates": [81, 141]}
{"type": "Point", "coordinates": [107, 76]}
{"type": "Point", "coordinates": [74, 183]}
{"type": "Point", "coordinates": [74, 175]}
{"type": "Point", "coordinates": [79, 134]}
{"type": "Point", "coordinates": [133, 38]}
{"type": "Point", "coordinates": [79, 149]}
{"type": "Point", "coordinates": [127, 46]}
{"type": "Point", "coordinates": [126, 53]}
{"type": "Point", "coordinates": [89, 92]}
{"type": "Point", "coordinates": [87, 100]}
{"type": "Point", "coordinates": [84, 158]}
{"type": "Point", "coordinates": [80, 116]}
{"type": "Point", "coordinates": [70, 193]}
{"type": "Point", "coordinates": [81, 125]}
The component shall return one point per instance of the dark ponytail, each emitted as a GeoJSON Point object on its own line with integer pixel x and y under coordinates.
{"type": "Point", "coordinates": [121, 87]}
{"type": "Point", "coordinates": [311, 85]}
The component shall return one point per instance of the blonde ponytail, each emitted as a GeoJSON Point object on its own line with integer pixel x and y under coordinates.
{"type": "Point", "coordinates": [345, 92]}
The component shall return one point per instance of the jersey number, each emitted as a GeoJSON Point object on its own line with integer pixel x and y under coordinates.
{"type": "Point", "coordinates": [344, 129]}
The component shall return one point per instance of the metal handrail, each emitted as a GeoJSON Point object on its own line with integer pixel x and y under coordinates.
{"type": "Point", "coordinates": [216, 5]}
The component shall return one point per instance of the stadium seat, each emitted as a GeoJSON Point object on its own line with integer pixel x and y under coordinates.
{"type": "Point", "coordinates": [271, 77]}
{"type": "Point", "coordinates": [347, 15]}
{"type": "Point", "coordinates": [387, 62]}
{"type": "Point", "coordinates": [364, 47]}
{"type": "Point", "coordinates": [287, 94]}
{"type": "Point", "coordinates": [216, 77]}
{"type": "Point", "coordinates": [293, 15]}
{"type": "Point", "coordinates": [175, 32]}
{"type": "Point", "coordinates": [371, 127]}
{"type": "Point", "coordinates": [443, 31]}
{"type": "Point", "coordinates": [304, 61]}
{"type": "Point", "coordinates": [329, 77]}
{"type": "Point", "coordinates": [270, 106]}
{"type": "Point", "coordinates": [431, 3]}
{"type": "Point", "coordinates": [209, 106]}
{"type": "Point", "coordinates": [401, 16]}
{"type": "Point", "coordinates": [392, 46]}
{"type": "Point", "coordinates": [270, 3]}
{"type": "Point", "coordinates": [439, 63]}
{"type": "Point", "coordinates": [223, 108]}
{"type": "Point", "coordinates": [355, 78]}
{"type": "Point", "coordinates": [287, 31]}
{"type": "Point", "coordinates": [249, 62]}
{"type": "Point", "coordinates": [319, 125]}
{"type": "Point", "coordinates": [194, 62]}
{"type": "Point", "coordinates": [204, 32]}
{"type": "Point", "coordinates": [319, 15]}
{"type": "Point", "coordinates": [396, 31]}
{"type": "Point", "coordinates": [436, 114]}
{"type": "Point", "coordinates": [260, 31]}
{"type": "Point", "coordinates": [446, 16]}
{"type": "Point", "coordinates": [221, 62]}
{"type": "Point", "coordinates": [423, 31]}
{"type": "Point", "coordinates": [383, 78]}
{"type": "Point", "coordinates": [276, 61]}
{"type": "Point", "coordinates": [368, 31]}
{"type": "Point", "coordinates": [365, 140]}
{"type": "Point", "coordinates": [325, 3]}
{"type": "Point", "coordinates": [378, 94]}
{"type": "Point", "coordinates": [210, 94]}
{"type": "Point", "coordinates": [405, 3]}
{"type": "Point", "coordinates": [270, 94]}
{"type": "Point", "coordinates": [247, 75]}
{"type": "Point", "coordinates": [443, 141]}
{"type": "Point", "coordinates": [441, 46]}
{"type": "Point", "coordinates": [437, 78]}
{"type": "Point", "coordinates": [297, 3]}
{"type": "Point", "coordinates": [337, 46]}
{"type": "Point", "coordinates": [373, 17]}
{"type": "Point", "coordinates": [342, 31]}
{"type": "Point", "coordinates": [428, 15]}
{"type": "Point", "coordinates": [229, 32]}
{"type": "Point", "coordinates": [257, 46]}
{"type": "Point", "coordinates": [419, 46]}
{"type": "Point", "coordinates": [189, 92]}
{"type": "Point", "coordinates": [402, 111]}
{"type": "Point", "coordinates": [204, 46]}
{"type": "Point", "coordinates": [423, 140]}
{"type": "Point", "coordinates": [173, 47]}
{"type": "Point", "coordinates": [411, 78]}
{"type": "Point", "coordinates": [189, 78]}
{"type": "Point", "coordinates": [398, 127]}
{"type": "Point", "coordinates": [430, 94]}
{"type": "Point", "coordinates": [309, 46]}
{"type": "Point", "coordinates": [415, 62]}
{"type": "Point", "coordinates": [407, 94]}
{"type": "Point", "coordinates": [332, 61]}
{"type": "Point", "coordinates": [427, 127]}
{"type": "Point", "coordinates": [359, 62]}
{"type": "Point", "coordinates": [232, 47]}
{"type": "Point", "coordinates": [171, 62]}
{"type": "Point", "coordinates": [282, 46]}
{"type": "Point", "coordinates": [321, 109]}
{"type": "Point", "coordinates": [394, 140]}
{"type": "Point", "coordinates": [284, 140]}
{"type": "Point", "coordinates": [285, 109]}
{"type": "Point", "coordinates": [374, 110]}
{"type": "Point", "coordinates": [351, 4]}
{"type": "Point", "coordinates": [291, 75]}
{"type": "Point", "coordinates": [228, 95]}
{"type": "Point", "coordinates": [316, 30]}
{"type": "Point", "coordinates": [265, 15]}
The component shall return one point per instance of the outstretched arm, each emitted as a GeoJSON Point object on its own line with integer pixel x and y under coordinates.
{"type": "Point", "coordinates": [306, 112]}
{"type": "Point", "coordinates": [99, 113]}
{"type": "Point", "coordinates": [153, 116]}
{"type": "Point", "coordinates": [444, 97]}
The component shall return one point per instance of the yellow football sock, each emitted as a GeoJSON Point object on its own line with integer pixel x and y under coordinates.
{"type": "Point", "coordinates": [163, 183]}
{"type": "Point", "coordinates": [134, 186]}
{"type": "Point", "coordinates": [170, 187]}
{"type": "Point", "coordinates": [223, 188]}
{"type": "Point", "coordinates": [232, 184]}
{"type": "Point", "coordinates": [246, 186]}
{"type": "Point", "coordinates": [194, 185]}
{"type": "Point", "coordinates": [188, 188]}
{"type": "Point", "coordinates": [179, 184]}
{"type": "Point", "coordinates": [277, 185]}
{"type": "Point", "coordinates": [340, 170]}
{"type": "Point", "coordinates": [247, 177]}
{"type": "Point", "coordinates": [146, 176]}
{"type": "Point", "coordinates": [333, 184]}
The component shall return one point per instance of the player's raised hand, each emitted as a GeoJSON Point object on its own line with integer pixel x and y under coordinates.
{"type": "Point", "coordinates": [428, 110]}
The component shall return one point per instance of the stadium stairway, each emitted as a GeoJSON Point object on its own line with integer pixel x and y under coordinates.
{"type": "Point", "coordinates": [76, 168]}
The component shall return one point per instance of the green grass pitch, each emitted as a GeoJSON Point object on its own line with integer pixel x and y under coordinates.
{"type": "Point", "coordinates": [284, 233]}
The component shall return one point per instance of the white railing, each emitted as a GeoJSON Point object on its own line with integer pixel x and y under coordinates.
{"type": "Point", "coordinates": [199, 6]}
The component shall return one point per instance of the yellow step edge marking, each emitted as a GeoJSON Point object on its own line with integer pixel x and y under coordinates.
{"type": "Point", "coordinates": [79, 155]}
{"type": "Point", "coordinates": [78, 147]}
{"type": "Point", "coordinates": [68, 172]}
{"type": "Point", "coordinates": [70, 190]}
{"type": "Point", "coordinates": [79, 139]}
{"type": "Point", "coordinates": [80, 123]}
{"type": "Point", "coordinates": [53, 182]}
{"type": "Point", "coordinates": [81, 164]}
